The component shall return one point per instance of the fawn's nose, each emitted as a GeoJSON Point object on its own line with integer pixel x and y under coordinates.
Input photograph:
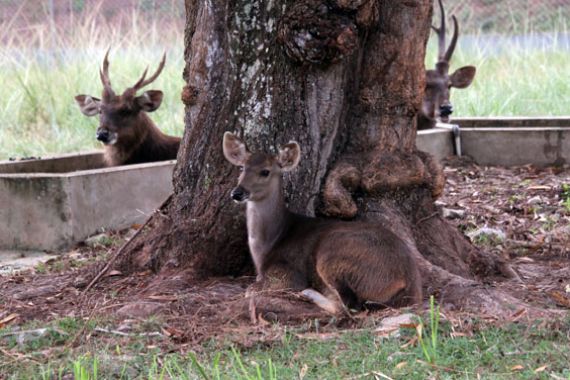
{"type": "Point", "coordinates": [239, 194]}
{"type": "Point", "coordinates": [103, 135]}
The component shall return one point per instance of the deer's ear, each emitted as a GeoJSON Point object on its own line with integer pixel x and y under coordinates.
{"type": "Point", "coordinates": [235, 150]}
{"type": "Point", "coordinates": [289, 156]}
{"type": "Point", "coordinates": [88, 105]}
{"type": "Point", "coordinates": [150, 100]}
{"type": "Point", "coordinates": [463, 77]}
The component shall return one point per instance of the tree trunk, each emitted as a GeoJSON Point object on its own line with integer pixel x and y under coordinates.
{"type": "Point", "coordinates": [345, 79]}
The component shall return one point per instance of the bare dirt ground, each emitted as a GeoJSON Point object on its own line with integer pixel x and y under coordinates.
{"type": "Point", "coordinates": [521, 213]}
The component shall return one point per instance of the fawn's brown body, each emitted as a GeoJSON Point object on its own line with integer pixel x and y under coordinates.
{"type": "Point", "coordinates": [347, 263]}
{"type": "Point", "coordinates": [126, 130]}
{"type": "Point", "coordinates": [436, 102]}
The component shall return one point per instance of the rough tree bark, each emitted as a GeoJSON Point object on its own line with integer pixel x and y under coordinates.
{"type": "Point", "coordinates": [344, 78]}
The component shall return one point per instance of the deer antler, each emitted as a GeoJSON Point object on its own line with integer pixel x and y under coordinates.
{"type": "Point", "coordinates": [440, 33]}
{"type": "Point", "coordinates": [143, 82]}
{"type": "Point", "coordinates": [104, 73]}
{"type": "Point", "coordinates": [443, 55]}
{"type": "Point", "coordinates": [451, 47]}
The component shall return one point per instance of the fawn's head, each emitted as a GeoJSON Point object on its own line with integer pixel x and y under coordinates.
{"type": "Point", "coordinates": [121, 116]}
{"type": "Point", "coordinates": [436, 102]}
{"type": "Point", "coordinates": [261, 173]}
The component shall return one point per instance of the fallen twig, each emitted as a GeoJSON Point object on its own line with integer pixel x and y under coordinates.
{"type": "Point", "coordinates": [16, 358]}
{"type": "Point", "coordinates": [376, 374]}
{"type": "Point", "coordinates": [381, 375]}
{"type": "Point", "coordinates": [121, 333]}
{"type": "Point", "coordinates": [427, 218]}
{"type": "Point", "coordinates": [38, 332]}
{"type": "Point", "coordinates": [124, 246]}
{"type": "Point", "coordinates": [82, 329]}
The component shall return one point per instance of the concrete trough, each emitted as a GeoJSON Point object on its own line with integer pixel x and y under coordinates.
{"type": "Point", "coordinates": [503, 141]}
{"type": "Point", "coordinates": [51, 204]}
{"type": "Point", "coordinates": [436, 141]}
{"type": "Point", "coordinates": [510, 141]}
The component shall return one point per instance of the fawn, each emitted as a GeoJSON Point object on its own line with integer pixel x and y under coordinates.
{"type": "Point", "coordinates": [334, 263]}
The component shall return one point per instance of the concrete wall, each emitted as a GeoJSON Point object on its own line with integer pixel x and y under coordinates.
{"type": "Point", "coordinates": [512, 141]}
{"type": "Point", "coordinates": [504, 141]}
{"type": "Point", "coordinates": [60, 164]}
{"type": "Point", "coordinates": [43, 211]}
{"type": "Point", "coordinates": [54, 203]}
{"type": "Point", "coordinates": [117, 197]}
{"type": "Point", "coordinates": [35, 212]}
{"type": "Point", "coordinates": [517, 146]}
{"type": "Point", "coordinates": [511, 122]}
{"type": "Point", "coordinates": [437, 141]}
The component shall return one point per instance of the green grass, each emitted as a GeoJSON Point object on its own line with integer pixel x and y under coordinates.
{"type": "Point", "coordinates": [514, 351]}
{"type": "Point", "coordinates": [429, 343]}
{"type": "Point", "coordinates": [565, 196]}
{"type": "Point", "coordinates": [41, 75]}
{"type": "Point", "coordinates": [514, 82]}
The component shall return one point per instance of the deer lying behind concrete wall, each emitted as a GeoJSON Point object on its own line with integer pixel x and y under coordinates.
{"type": "Point", "coordinates": [347, 263]}
{"type": "Point", "coordinates": [436, 103]}
{"type": "Point", "coordinates": [129, 135]}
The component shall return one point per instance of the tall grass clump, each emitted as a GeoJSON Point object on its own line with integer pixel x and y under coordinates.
{"type": "Point", "coordinates": [429, 341]}
{"type": "Point", "coordinates": [44, 66]}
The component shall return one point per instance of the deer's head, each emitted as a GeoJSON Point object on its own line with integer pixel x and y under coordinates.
{"type": "Point", "coordinates": [261, 173]}
{"type": "Point", "coordinates": [436, 103]}
{"type": "Point", "coordinates": [120, 116]}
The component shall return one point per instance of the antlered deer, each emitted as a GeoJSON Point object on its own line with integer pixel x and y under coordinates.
{"type": "Point", "coordinates": [347, 263]}
{"type": "Point", "coordinates": [126, 130]}
{"type": "Point", "coordinates": [436, 102]}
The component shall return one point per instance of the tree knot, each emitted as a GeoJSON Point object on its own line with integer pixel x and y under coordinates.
{"type": "Point", "coordinates": [386, 172]}
{"type": "Point", "coordinates": [391, 171]}
{"type": "Point", "coordinates": [313, 31]}
{"type": "Point", "coordinates": [189, 95]}
{"type": "Point", "coordinates": [337, 192]}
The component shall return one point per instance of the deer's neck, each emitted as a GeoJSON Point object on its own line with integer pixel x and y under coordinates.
{"type": "Point", "coordinates": [424, 121]}
{"type": "Point", "coordinates": [127, 149]}
{"type": "Point", "coordinates": [267, 221]}
{"type": "Point", "coordinates": [148, 130]}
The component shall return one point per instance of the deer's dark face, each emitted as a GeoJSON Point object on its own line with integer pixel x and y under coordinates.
{"type": "Point", "coordinates": [121, 117]}
{"type": "Point", "coordinates": [260, 172]}
{"type": "Point", "coordinates": [436, 102]}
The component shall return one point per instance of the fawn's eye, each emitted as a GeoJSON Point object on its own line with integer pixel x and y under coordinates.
{"type": "Point", "coordinates": [264, 173]}
{"type": "Point", "coordinates": [240, 168]}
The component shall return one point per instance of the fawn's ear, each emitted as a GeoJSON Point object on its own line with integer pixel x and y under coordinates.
{"type": "Point", "coordinates": [88, 105]}
{"type": "Point", "coordinates": [235, 150]}
{"type": "Point", "coordinates": [150, 100]}
{"type": "Point", "coordinates": [289, 156]}
{"type": "Point", "coordinates": [463, 77]}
